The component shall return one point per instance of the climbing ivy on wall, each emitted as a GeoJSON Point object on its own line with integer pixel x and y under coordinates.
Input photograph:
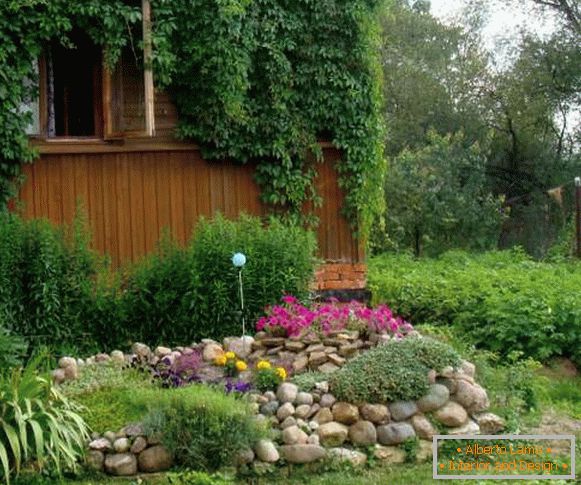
{"type": "Point", "coordinates": [253, 80]}
{"type": "Point", "coordinates": [25, 27]}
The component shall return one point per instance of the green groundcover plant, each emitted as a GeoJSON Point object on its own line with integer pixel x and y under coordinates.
{"type": "Point", "coordinates": [502, 301]}
{"type": "Point", "coordinates": [395, 371]}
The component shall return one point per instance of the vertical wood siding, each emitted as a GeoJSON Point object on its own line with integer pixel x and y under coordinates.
{"type": "Point", "coordinates": [130, 197]}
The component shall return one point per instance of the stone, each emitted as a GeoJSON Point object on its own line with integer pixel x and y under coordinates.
{"type": "Point", "coordinates": [287, 392]}
{"type": "Point", "coordinates": [303, 411]}
{"type": "Point", "coordinates": [356, 458]}
{"type": "Point", "coordinates": [401, 410]}
{"type": "Point", "coordinates": [58, 376]}
{"type": "Point", "coordinates": [293, 435]}
{"type": "Point", "coordinates": [489, 423]}
{"type": "Point", "coordinates": [363, 433]}
{"type": "Point", "coordinates": [244, 457]}
{"type": "Point", "coordinates": [65, 362]}
{"type": "Point", "coordinates": [327, 400]}
{"type": "Point", "coordinates": [449, 383]}
{"type": "Point", "coordinates": [270, 408]}
{"type": "Point", "coordinates": [423, 427]}
{"type": "Point", "coordinates": [335, 359]}
{"type": "Point", "coordinates": [424, 451]}
{"type": "Point", "coordinates": [317, 358]}
{"type": "Point", "coordinates": [286, 410]}
{"type": "Point", "coordinates": [437, 396]}
{"type": "Point", "coordinates": [155, 459]}
{"type": "Point", "coordinates": [100, 444]}
{"type": "Point", "coordinates": [295, 346]}
{"type": "Point", "coordinates": [451, 414]}
{"type": "Point", "coordinates": [242, 346]}
{"type": "Point", "coordinates": [432, 374]}
{"type": "Point", "coordinates": [468, 368]}
{"type": "Point", "coordinates": [273, 341]}
{"type": "Point", "coordinates": [95, 460]}
{"type": "Point", "coordinates": [470, 427]}
{"type": "Point", "coordinates": [102, 358]}
{"type": "Point", "coordinates": [133, 430]}
{"type": "Point", "coordinates": [389, 455]}
{"type": "Point", "coordinates": [322, 386]}
{"type": "Point", "coordinates": [376, 413]}
{"type": "Point", "coordinates": [300, 364]}
{"type": "Point", "coordinates": [348, 350]}
{"type": "Point", "coordinates": [138, 445]}
{"type": "Point", "coordinates": [270, 396]}
{"type": "Point", "coordinates": [332, 434]}
{"type": "Point", "coordinates": [118, 357]}
{"type": "Point", "coordinates": [71, 372]}
{"type": "Point", "coordinates": [302, 453]}
{"type": "Point", "coordinates": [395, 433]}
{"type": "Point", "coordinates": [314, 410]}
{"type": "Point", "coordinates": [472, 397]}
{"type": "Point", "coordinates": [313, 425]}
{"type": "Point", "coordinates": [266, 451]}
{"type": "Point", "coordinates": [212, 351]}
{"type": "Point", "coordinates": [330, 350]}
{"type": "Point", "coordinates": [345, 413]}
{"type": "Point", "coordinates": [162, 351]}
{"type": "Point", "coordinates": [121, 464]}
{"type": "Point", "coordinates": [327, 368]}
{"type": "Point", "coordinates": [314, 440]}
{"type": "Point", "coordinates": [304, 398]}
{"type": "Point", "coordinates": [121, 445]}
{"type": "Point", "coordinates": [110, 435]}
{"type": "Point", "coordinates": [141, 350]}
{"type": "Point", "coordinates": [290, 421]}
{"type": "Point", "coordinates": [315, 348]}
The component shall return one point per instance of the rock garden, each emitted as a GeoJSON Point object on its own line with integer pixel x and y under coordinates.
{"type": "Point", "coordinates": [331, 381]}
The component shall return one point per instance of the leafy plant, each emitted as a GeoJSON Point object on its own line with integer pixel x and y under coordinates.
{"type": "Point", "coordinates": [307, 380]}
{"type": "Point", "coordinates": [397, 370]}
{"type": "Point", "coordinates": [500, 301]}
{"type": "Point", "coordinates": [12, 348]}
{"type": "Point", "coordinates": [268, 378]}
{"type": "Point", "coordinates": [37, 422]}
{"type": "Point", "coordinates": [203, 428]}
{"type": "Point", "coordinates": [184, 369]}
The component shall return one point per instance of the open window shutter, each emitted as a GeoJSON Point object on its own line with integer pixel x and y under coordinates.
{"type": "Point", "coordinates": [128, 92]}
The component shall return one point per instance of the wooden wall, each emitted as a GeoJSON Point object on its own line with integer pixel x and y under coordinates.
{"type": "Point", "coordinates": [131, 196]}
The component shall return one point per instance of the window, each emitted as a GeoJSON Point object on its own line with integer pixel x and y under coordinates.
{"type": "Point", "coordinates": [73, 80]}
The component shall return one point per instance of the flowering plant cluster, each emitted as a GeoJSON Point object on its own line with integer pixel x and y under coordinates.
{"type": "Point", "coordinates": [266, 377]}
{"type": "Point", "coordinates": [293, 318]}
{"type": "Point", "coordinates": [232, 365]}
{"type": "Point", "coordinates": [184, 370]}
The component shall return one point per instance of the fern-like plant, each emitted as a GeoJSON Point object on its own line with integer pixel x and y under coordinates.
{"type": "Point", "coordinates": [37, 423]}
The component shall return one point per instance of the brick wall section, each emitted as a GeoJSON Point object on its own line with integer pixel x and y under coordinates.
{"type": "Point", "coordinates": [340, 276]}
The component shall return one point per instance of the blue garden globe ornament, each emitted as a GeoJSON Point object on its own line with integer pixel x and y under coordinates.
{"type": "Point", "coordinates": [239, 260]}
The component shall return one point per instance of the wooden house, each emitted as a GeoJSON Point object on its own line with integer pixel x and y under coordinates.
{"type": "Point", "coordinates": [105, 140]}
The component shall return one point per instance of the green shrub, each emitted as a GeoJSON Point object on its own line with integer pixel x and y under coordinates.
{"type": "Point", "coordinates": [12, 348]}
{"type": "Point", "coordinates": [501, 301]}
{"type": "Point", "coordinates": [395, 371]}
{"type": "Point", "coordinates": [280, 260]}
{"type": "Point", "coordinates": [204, 428]}
{"type": "Point", "coordinates": [37, 422]}
{"type": "Point", "coordinates": [46, 281]}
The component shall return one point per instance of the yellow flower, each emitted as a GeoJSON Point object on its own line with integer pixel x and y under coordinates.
{"type": "Point", "coordinates": [220, 360]}
{"type": "Point", "coordinates": [241, 366]}
{"type": "Point", "coordinates": [230, 355]}
{"type": "Point", "coordinates": [281, 372]}
{"type": "Point", "coordinates": [263, 364]}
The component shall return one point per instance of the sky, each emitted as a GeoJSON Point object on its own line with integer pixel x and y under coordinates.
{"type": "Point", "coordinates": [504, 21]}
